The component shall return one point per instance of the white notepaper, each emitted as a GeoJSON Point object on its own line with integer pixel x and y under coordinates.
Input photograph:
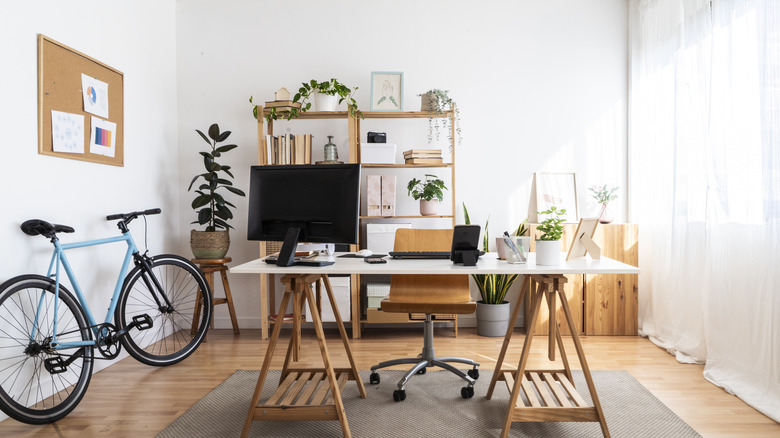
{"type": "Point", "coordinates": [103, 138]}
{"type": "Point", "coordinates": [67, 132]}
{"type": "Point", "coordinates": [95, 94]}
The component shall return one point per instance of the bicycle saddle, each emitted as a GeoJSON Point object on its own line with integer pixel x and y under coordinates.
{"type": "Point", "coordinates": [35, 227]}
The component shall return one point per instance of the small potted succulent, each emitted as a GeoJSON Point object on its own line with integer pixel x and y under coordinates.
{"type": "Point", "coordinates": [548, 245]}
{"type": "Point", "coordinates": [430, 192]}
{"type": "Point", "coordinates": [436, 102]}
{"type": "Point", "coordinates": [212, 209]}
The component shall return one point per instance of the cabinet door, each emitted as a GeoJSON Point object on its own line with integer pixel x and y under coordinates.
{"type": "Point", "coordinates": [611, 300]}
{"type": "Point", "coordinates": [572, 290]}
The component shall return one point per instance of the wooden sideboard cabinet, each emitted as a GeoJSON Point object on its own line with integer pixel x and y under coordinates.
{"type": "Point", "coordinates": [600, 304]}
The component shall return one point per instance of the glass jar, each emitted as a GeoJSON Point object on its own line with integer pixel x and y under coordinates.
{"type": "Point", "coordinates": [331, 152]}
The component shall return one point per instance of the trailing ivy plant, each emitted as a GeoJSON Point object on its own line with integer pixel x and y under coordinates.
{"type": "Point", "coordinates": [212, 208]}
{"type": "Point", "coordinates": [440, 102]}
{"type": "Point", "coordinates": [332, 88]}
{"type": "Point", "coordinates": [493, 287]}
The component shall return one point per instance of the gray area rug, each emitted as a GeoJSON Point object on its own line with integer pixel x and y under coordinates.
{"type": "Point", "coordinates": [433, 407]}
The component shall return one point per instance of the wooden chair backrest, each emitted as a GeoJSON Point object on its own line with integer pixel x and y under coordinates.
{"type": "Point", "coordinates": [427, 288]}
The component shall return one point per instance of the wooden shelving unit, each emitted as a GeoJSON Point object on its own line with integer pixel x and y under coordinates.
{"type": "Point", "coordinates": [353, 156]}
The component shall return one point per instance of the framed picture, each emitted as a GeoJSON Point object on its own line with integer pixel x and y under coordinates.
{"type": "Point", "coordinates": [387, 91]}
{"type": "Point", "coordinates": [583, 243]}
{"type": "Point", "coordinates": [558, 189]}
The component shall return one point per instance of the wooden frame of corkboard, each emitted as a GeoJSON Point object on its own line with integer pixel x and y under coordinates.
{"type": "Point", "coordinates": [59, 88]}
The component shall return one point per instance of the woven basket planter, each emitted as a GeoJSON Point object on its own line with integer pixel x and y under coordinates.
{"type": "Point", "coordinates": [209, 244]}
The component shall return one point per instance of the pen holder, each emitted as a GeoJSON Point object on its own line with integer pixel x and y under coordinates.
{"type": "Point", "coordinates": [521, 243]}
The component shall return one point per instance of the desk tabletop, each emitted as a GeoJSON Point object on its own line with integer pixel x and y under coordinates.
{"type": "Point", "coordinates": [487, 264]}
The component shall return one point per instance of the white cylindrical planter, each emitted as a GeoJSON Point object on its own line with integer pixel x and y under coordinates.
{"type": "Point", "coordinates": [325, 102]}
{"type": "Point", "coordinates": [492, 319]}
{"type": "Point", "coordinates": [548, 252]}
{"type": "Point", "coordinates": [429, 208]}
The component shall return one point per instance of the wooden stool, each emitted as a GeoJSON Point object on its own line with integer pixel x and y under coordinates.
{"type": "Point", "coordinates": [209, 267]}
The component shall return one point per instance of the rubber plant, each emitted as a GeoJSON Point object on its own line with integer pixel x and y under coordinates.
{"type": "Point", "coordinates": [212, 208]}
{"type": "Point", "coordinates": [493, 287]}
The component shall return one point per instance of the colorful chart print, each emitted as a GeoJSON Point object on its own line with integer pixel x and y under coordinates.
{"type": "Point", "coordinates": [92, 94]}
{"type": "Point", "coordinates": [103, 137]}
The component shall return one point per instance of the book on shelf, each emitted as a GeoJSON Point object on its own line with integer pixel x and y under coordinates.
{"type": "Point", "coordinates": [422, 152]}
{"type": "Point", "coordinates": [424, 161]}
{"type": "Point", "coordinates": [288, 149]}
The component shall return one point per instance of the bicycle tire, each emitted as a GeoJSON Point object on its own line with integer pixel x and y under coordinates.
{"type": "Point", "coordinates": [173, 336]}
{"type": "Point", "coordinates": [28, 392]}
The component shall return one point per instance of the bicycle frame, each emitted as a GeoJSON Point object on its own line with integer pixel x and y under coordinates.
{"type": "Point", "coordinates": [59, 259]}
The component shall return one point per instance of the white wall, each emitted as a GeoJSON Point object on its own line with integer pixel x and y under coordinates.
{"type": "Point", "coordinates": [137, 38]}
{"type": "Point", "coordinates": [541, 87]}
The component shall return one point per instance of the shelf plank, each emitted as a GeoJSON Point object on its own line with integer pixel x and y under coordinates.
{"type": "Point", "coordinates": [378, 166]}
{"type": "Point", "coordinates": [439, 216]}
{"type": "Point", "coordinates": [367, 115]}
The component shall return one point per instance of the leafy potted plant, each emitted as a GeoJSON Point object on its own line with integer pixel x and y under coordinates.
{"type": "Point", "coordinates": [212, 208]}
{"type": "Point", "coordinates": [492, 309]}
{"type": "Point", "coordinates": [436, 102]}
{"type": "Point", "coordinates": [430, 192]}
{"type": "Point", "coordinates": [326, 95]}
{"type": "Point", "coordinates": [603, 195]}
{"type": "Point", "coordinates": [548, 245]}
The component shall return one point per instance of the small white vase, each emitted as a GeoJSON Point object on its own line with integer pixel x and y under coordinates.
{"type": "Point", "coordinates": [548, 252]}
{"type": "Point", "coordinates": [429, 208]}
{"type": "Point", "coordinates": [325, 102]}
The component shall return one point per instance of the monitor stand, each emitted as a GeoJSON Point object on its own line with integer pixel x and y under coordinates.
{"type": "Point", "coordinates": [287, 253]}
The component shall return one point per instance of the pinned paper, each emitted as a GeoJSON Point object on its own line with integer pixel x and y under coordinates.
{"type": "Point", "coordinates": [67, 132]}
{"type": "Point", "coordinates": [103, 138]}
{"type": "Point", "coordinates": [95, 94]}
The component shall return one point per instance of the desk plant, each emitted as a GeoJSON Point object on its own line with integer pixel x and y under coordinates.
{"type": "Point", "coordinates": [548, 245]}
{"type": "Point", "coordinates": [213, 210]}
{"type": "Point", "coordinates": [603, 195]}
{"type": "Point", "coordinates": [492, 309]}
{"type": "Point", "coordinates": [436, 102]}
{"type": "Point", "coordinates": [430, 192]}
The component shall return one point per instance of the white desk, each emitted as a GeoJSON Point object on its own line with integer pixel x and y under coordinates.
{"type": "Point", "coordinates": [564, 404]}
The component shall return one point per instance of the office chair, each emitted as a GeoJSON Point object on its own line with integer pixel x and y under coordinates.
{"type": "Point", "coordinates": [427, 294]}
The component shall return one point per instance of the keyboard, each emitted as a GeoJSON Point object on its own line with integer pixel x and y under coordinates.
{"type": "Point", "coordinates": [420, 254]}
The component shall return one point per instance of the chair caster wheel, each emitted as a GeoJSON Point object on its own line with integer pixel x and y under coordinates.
{"type": "Point", "coordinates": [399, 395]}
{"type": "Point", "coordinates": [467, 392]}
{"type": "Point", "coordinates": [421, 370]}
{"type": "Point", "coordinates": [374, 378]}
{"type": "Point", "coordinates": [473, 373]}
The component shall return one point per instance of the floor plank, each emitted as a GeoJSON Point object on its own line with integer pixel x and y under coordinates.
{"type": "Point", "coordinates": [131, 399]}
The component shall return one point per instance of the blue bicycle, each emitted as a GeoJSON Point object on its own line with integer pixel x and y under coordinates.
{"type": "Point", "coordinates": [161, 311]}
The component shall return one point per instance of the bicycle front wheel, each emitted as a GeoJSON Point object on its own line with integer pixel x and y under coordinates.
{"type": "Point", "coordinates": [180, 312]}
{"type": "Point", "coordinates": [38, 383]}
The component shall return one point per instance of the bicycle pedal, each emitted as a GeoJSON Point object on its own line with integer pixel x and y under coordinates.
{"type": "Point", "coordinates": [55, 365]}
{"type": "Point", "coordinates": [142, 322]}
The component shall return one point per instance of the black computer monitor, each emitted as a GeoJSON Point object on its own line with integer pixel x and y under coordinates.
{"type": "Point", "coordinates": [318, 202]}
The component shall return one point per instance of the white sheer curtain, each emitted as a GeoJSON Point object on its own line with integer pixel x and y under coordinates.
{"type": "Point", "coordinates": [704, 174]}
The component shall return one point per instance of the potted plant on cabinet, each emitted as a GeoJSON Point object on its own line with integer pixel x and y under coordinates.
{"type": "Point", "coordinates": [548, 245]}
{"type": "Point", "coordinates": [492, 309]}
{"type": "Point", "coordinates": [212, 208]}
{"type": "Point", "coordinates": [436, 102]}
{"type": "Point", "coordinates": [429, 192]}
{"type": "Point", "coordinates": [603, 195]}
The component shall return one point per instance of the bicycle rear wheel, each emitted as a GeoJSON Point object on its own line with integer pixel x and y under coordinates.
{"type": "Point", "coordinates": [177, 331]}
{"type": "Point", "coordinates": [31, 391]}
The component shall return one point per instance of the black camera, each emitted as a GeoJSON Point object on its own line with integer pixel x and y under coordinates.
{"type": "Point", "coordinates": [377, 137]}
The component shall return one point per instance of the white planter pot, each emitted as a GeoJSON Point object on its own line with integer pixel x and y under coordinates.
{"type": "Point", "coordinates": [548, 252]}
{"type": "Point", "coordinates": [429, 208]}
{"type": "Point", "coordinates": [492, 319]}
{"type": "Point", "coordinates": [325, 102]}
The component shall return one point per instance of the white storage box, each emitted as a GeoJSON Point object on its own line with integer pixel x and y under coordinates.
{"type": "Point", "coordinates": [376, 292]}
{"type": "Point", "coordinates": [340, 286]}
{"type": "Point", "coordinates": [377, 153]}
{"type": "Point", "coordinates": [380, 238]}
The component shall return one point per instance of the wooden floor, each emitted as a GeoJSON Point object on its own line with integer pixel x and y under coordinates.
{"type": "Point", "coordinates": [131, 399]}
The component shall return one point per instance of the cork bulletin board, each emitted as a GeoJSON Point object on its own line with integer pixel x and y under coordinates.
{"type": "Point", "coordinates": [80, 106]}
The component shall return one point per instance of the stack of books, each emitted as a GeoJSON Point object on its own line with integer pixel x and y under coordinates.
{"type": "Point", "coordinates": [288, 149]}
{"type": "Point", "coordinates": [423, 156]}
{"type": "Point", "coordinates": [283, 105]}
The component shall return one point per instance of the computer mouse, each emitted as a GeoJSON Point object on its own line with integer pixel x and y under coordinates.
{"type": "Point", "coordinates": [364, 253]}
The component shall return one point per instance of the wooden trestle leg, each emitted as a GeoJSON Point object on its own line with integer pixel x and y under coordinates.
{"type": "Point", "coordinates": [548, 395]}
{"type": "Point", "coordinates": [305, 393]}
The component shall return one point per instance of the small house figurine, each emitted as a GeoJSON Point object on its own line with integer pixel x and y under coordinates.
{"type": "Point", "coordinates": [282, 94]}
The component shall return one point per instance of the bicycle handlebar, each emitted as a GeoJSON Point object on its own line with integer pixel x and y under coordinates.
{"type": "Point", "coordinates": [133, 215]}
